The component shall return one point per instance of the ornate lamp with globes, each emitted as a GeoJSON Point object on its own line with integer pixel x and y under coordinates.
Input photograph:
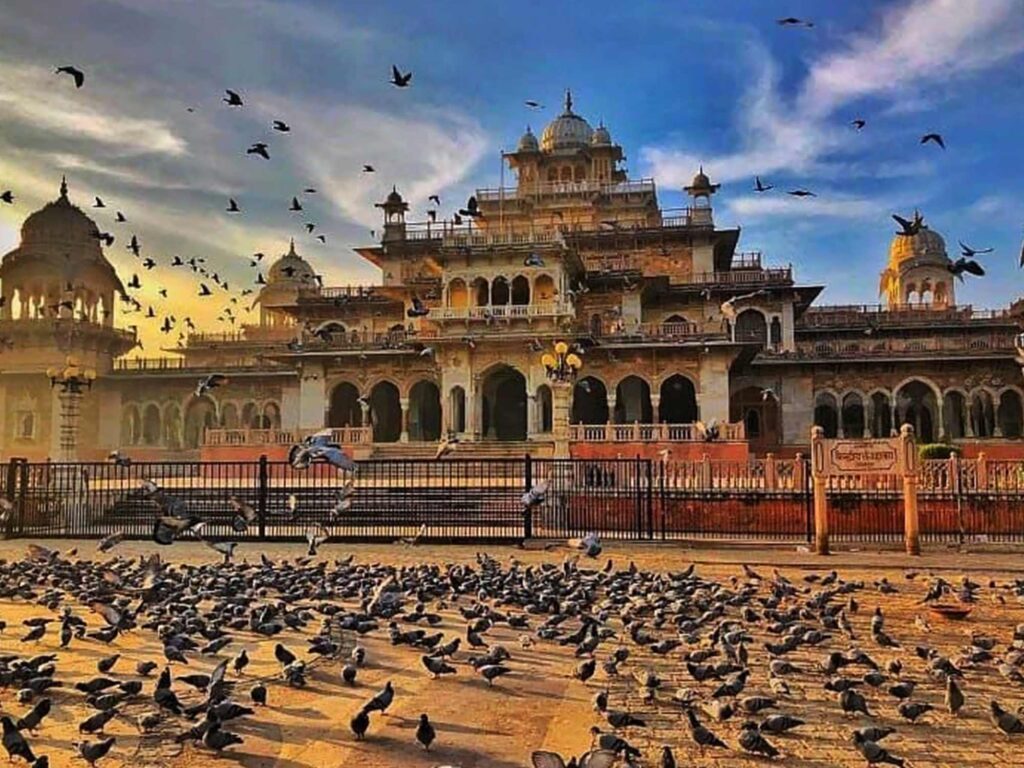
{"type": "Point", "coordinates": [71, 381]}
{"type": "Point", "coordinates": [562, 367]}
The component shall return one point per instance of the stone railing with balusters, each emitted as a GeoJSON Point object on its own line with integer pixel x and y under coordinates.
{"type": "Point", "coordinates": [250, 437]}
{"type": "Point", "coordinates": [649, 433]}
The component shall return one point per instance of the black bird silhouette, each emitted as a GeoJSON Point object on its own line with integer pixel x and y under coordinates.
{"type": "Point", "coordinates": [232, 206]}
{"type": "Point", "coordinates": [533, 104]}
{"type": "Point", "coordinates": [398, 79]}
{"type": "Point", "coordinates": [435, 199]}
{"type": "Point", "coordinates": [909, 228]}
{"type": "Point", "coordinates": [759, 187]}
{"type": "Point", "coordinates": [472, 208]}
{"type": "Point", "coordinates": [7, 196]}
{"type": "Point", "coordinates": [204, 290]}
{"type": "Point", "coordinates": [75, 72]}
{"type": "Point", "coordinates": [935, 138]}
{"type": "Point", "coordinates": [259, 148]}
{"type": "Point", "coordinates": [99, 203]}
{"type": "Point", "coordinates": [119, 218]}
{"type": "Point", "coordinates": [369, 169]}
{"type": "Point", "coordinates": [282, 126]}
{"type": "Point", "coordinates": [962, 265]}
{"type": "Point", "coordinates": [970, 253]}
{"type": "Point", "coordinates": [322, 239]}
{"type": "Point", "coordinates": [801, 193]}
{"type": "Point", "coordinates": [793, 21]}
{"type": "Point", "coordinates": [232, 99]}
{"type": "Point", "coordinates": [859, 123]}
{"type": "Point", "coordinates": [296, 205]}
{"type": "Point", "coordinates": [134, 246]}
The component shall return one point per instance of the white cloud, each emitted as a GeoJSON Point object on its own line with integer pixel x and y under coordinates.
{"type": "Point", "coordinates": [920, 44]}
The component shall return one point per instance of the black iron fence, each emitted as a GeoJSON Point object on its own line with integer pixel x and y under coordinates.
{"type": "Point", "coordinates": [481, 500]}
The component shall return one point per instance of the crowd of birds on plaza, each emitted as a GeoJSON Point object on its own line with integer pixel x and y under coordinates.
{"type": "Point", "coordinates": [212, 283]}
{"type": "Point", "coordinates": [722, 665]}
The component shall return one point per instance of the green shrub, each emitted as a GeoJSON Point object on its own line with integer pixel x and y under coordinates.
{"type": "Point", "coordinates": [936, 451]}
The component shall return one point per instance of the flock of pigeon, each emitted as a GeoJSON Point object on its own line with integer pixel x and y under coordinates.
{"type": "Point", "coordinates": [231, 313]}
{"type": "Point", "coordinates": [721, 664]}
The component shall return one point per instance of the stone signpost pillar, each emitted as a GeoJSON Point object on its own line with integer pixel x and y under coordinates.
{"type": "Point", "coordinates": [908, 468]}
{"type": "Point", "coordinates": [819, 475]}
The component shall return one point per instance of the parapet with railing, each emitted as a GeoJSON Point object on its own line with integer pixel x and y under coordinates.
{"type": "Point", "coordinates": [880, 315]}
{"type": "Point", "coordinates": [971, 345]}
{"type": "Point", "coordinates": [651, 433]}
{"type": "Point", "coordinates": [251, 437]}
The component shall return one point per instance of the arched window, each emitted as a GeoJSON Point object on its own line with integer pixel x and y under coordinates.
{"type": "Point", "coordinates": [481, 292]}
{"type": "Point", "coordinates": [520, 291]}
{"type": "Point", "coordinates": [826, 414]}
{"type": "Point", "coordinates": [250, 416]}
{"type": "Point", "coordinates": [543, 290]}
{"type": "Point", "coordinates": [424, 411]}
{"type": "Point", "coordinates": [200, 415]}
{"type": "Point", "coordinates": [229, 416]}
{"type": "Point", "coordinates": [131, 426]}
{"type": "Point", "coordinates": [500, 293]}
{"type": "Point", "coordinates": [385, 412]}
{"type": "Point", "coordinates": [1010, 413]}
{"type": "Point", "coordinates": [457, 293]}
{"type": "Point", "coordinates": [457, 418]}
{"type": "Point", "coordinates": [589, 402]}
{"type": "Point", "coordinates": [26, 425]}
{"type": "Point", "coordinates": [750, 326]}
{"type": "Point", "coordinates": [633, 401]}
{"type": "Point", "coordinates": [172, 426]}
{"type": "Point", "coordinates": [752, 423]}
{"type": "Point", "coordinates": [916, 405]}
{"type": "Point", "coordinates": [678, 401]}
{"type": "Point", "coordinates": [151, 425]}
{"type": "Point", "coordinates": [881, 415]}
{"type": "Point", "coordinates": [954, 413]}
{"type": "Point", "coordinates": [544, 412]}
{"type": "Point", "coordinates": [345, 410]}
{"type": "Point", "coordinates": [983, 419]}
{"type": "Point", "coordinates": [271, 415]}
{"type": "Point", "coordinates": [853, 416]}
{"type": "Point", "coordinates": [595, 324]}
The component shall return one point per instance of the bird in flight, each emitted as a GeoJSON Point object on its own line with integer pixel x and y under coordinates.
{"type": "Point", "coordinates": [309, 191]}
{"type": "Point", "coordinates": [935, 138]}
{"type": "Point", "coordinates": [369, 169]}
{"type": "Point", "coordinates": [119, 218]}
{"type": "Point", "coordinates": [970, 253]}
{"type": "Point", "coordinates": [134, 246]}
{"type": "Point", "coordinates": [259, 148]}
{"type": "Point", "coordinates": [472, 208]}
{"type": "Point", "coordinates": [296, 205]}
{"type": "Point", "coordinates": [232, 206]}
{"type": "Point", "coordinates": [232, 99]}
{"type": "Point", "coordinates": [75, 72]}
{"type": "Point", "coordinates": [963, 264]}
{"type": "Point", "coordinates": [99, 203]}
{"type": "Point", "coordinates": [435, 199]}
{"type": "Point", "coordinates": [322, 239]}
{"type": "Point", "coordinates": [910, 228]}
{"type": "Point", "coordinates": [759, 187]}
{"type": "Point", "coordinates": [398, 79]}
{"type": "Point", "coordinates": [859, 123]}
{"type": "Point", "coordinates": [212, 381]}
{"type": "Point", "coordinates": [793, 21]}
{"type": "Point", "coordinates": [801, 193]}
{"type": "Point", "coordinates": [204, 290]}
{"type": "Point", "coordinates": [7, 196]}
{"type": "Point", "coordinates": [533, 104]}
{"type": "Point", "coordinates": [282, 126]}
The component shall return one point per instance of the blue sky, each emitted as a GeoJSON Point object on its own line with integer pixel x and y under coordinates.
{"type": "Point", "coordinates": [678, 83]}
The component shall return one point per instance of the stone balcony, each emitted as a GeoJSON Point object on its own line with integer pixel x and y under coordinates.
{"type": "Point", "coordinates": [253, 437]}
{"type": "Point", "coordinates": [495, 312]}
{"type": "Point", "coordinates": [650, 433]}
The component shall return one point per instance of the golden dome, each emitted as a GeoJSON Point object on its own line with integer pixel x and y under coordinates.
{"type": "Point", "coordinates": [528, 142]}
{"type": "Point", "coordinates": [927, 246]}
{"type": "Point", "coordinates": [291, 269]}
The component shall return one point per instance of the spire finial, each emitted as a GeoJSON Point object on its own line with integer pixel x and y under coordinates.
{"type": "Point", "coordinates": [291, 248]}
{"type": "Point", "coordinates": [568, 100]}
{"type": "Point", "coordinates": [63, 186]}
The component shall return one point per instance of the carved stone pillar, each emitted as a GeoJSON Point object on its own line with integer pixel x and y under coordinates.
{"type": "Point", "coordinates": [403, 403]}
{"type": "Point", "coordinates": [561, 394]}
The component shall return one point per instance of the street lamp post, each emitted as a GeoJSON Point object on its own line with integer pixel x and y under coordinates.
{"type": "Point", "coordinates": [72, 381]}
{"type": "Point", "coordinates": [562, 367]}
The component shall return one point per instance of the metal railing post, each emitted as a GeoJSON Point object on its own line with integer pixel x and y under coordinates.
{"type": "Point", "coordinates": [262, 491]}
{"type": "Point", "coordinates": [22, 493]}
{"type": "Point", "coordinates": [9, 492]}
{"type": "Point", "coordinates": [650, 498]}
{"type": "Point", "coordinates": [527, 486]}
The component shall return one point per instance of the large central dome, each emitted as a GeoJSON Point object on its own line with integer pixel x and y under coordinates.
{"type": "Point", "coordinates": [925, 246]}
{"type": "Point", "coordinates": [567, 131]}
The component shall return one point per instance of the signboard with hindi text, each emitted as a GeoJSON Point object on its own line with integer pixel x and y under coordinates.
{"type": "Point", "coordinates": [856, 457]}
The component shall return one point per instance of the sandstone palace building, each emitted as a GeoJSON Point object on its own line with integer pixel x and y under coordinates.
{"type": "Point", "coordinates": [673, 322]}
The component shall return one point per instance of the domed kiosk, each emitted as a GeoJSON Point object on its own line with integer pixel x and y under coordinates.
{"type": "Point", "coordinates": [918, 270]}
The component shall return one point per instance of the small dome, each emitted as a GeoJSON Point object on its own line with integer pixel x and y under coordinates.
{"type": "Point", "coordinates": [601, 137]}
{"type": "Point", "coordinates": [291, 269]}
{"type": "Point", "coordinates": [60, 223]}
{"type": "Point", "coordinates": [528, 142]}
{"type": "Point", "coordinates": [393, 199]}
{"type": "Point", "coordinates": [567, 131]}
{"type": "Point", "coordinates": [701, 180]}
{"type": "Point", "coordinates": [926, 246]}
